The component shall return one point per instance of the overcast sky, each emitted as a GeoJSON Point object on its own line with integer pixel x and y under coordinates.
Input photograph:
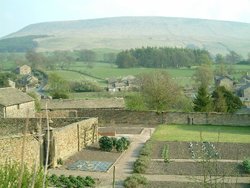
{"type": "Point", "coordinates": [16, 14]}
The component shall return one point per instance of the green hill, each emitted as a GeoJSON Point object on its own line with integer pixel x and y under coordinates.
{"type": "Point", "coordinates": [131, 32]}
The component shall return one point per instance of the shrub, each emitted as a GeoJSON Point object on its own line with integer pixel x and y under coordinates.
{"type": "Point", "coordinates": [146, 149]}
{"type": "Point", "coordinates": [106, 143]}
{"type": "Point", "coordinates": [134, 181]}
{"type": "Point", "coordinates": [122, 144]}
{"type": "Point", "coordinates": [246, 165]}
{"type": "Point", "coordinates": [141, 164]}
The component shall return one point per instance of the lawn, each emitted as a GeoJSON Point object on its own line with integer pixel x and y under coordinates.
{"type": "Point", "coordinates": [209, 133]}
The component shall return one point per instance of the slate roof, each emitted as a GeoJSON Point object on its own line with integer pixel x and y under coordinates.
{"type": "Point", "coordinates": [11, 96]}
{"type": "Point", "coordinates": [83, 103]}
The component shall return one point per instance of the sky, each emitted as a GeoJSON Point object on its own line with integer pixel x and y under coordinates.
{"type": "Point", "coordinates": [16, 14]}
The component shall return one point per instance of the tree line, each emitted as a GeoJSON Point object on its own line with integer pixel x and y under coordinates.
{"type": "Point", "coordinates": [163, 57]}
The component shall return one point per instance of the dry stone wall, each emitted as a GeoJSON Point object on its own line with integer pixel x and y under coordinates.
{"type": "Point", "coordinates": [11, 149]}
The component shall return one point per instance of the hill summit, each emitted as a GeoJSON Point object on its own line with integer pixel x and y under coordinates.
{"type": "Point", "coordinates": [131, 32]}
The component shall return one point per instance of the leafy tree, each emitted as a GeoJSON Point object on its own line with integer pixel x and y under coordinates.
{"type": "Point", "coordinates": [4, 77]}
{"type": "Point", "coordinates": [202, 102]}
{"type": "Point", "coordinates": [233, 57]}
{"type": "Point", "coordinates": [233, 103]}
{"type": "Point", "coordinates": [219, 101]}
{"type": "Point", "coordinates": [86, 55]}
{"type": "Point", "coordinates": [125, 60]}
{"type": "Point", "coordinates": [159, 91]}
{"type": "Point", "coordinates": [58, 87]}
{"type": "Point", "coordinates": [204, 75]}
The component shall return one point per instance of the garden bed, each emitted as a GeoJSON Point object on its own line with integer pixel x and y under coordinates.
{"type": "Point", "coordinates": [196, 168]}
{"type": "Point", "coordinates": [92, 153]}
{"type": "Point", "coordinates": [164, 184]}
{"type": "Point", "coordinates": [180, 150]}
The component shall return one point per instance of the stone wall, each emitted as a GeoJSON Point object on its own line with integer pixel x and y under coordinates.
{"type": "Point", "coordinates": [65, 140]}
{"type": "Point", "coordinates": [110, 117]}
{"type": "Point", "coordinates": [72, 138]}
{"type": "Point", "coordinates": [11, 149]}
{"type": "Point", "coordinates": [20, 110]}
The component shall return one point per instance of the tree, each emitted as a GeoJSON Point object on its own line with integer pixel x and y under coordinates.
{"type": "Point", "coordinates": [202, 102]}
{"type": "Point", "coordinates": [219, 101]}
{"type": "Point", "coordinates": [220, 60]}
{"type": "Point", "coordinates": [159, 91]}
{"type": "Point", "coordinates": [204, 75]}
{"type": "Point", "coordinates": [233, 103]}
{"type": "Point", "coordinates": [58, 87]}
{"type": "Point", "coordinates": [125, 60]}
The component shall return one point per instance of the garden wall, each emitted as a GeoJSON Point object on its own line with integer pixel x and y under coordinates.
{"type": "Point", "coordinates": [110, 117]}
{"type": "Point", "coordinates": [11, 149]}
{"type": "Point", "coordinates": [68, 136]}
{"type": "Point", "coordinates": [72, 138]}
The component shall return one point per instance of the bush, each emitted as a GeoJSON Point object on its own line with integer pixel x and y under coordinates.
{"type": "Point", "coordinates": [122, 144]}
{"type": "Point", "coordinates": [134, 181]}
{"type": "Point", "coordinates": [246, 165]}
{"type": "Point", "coordinates": [141, 164]}
{"type": "Point", "coordinates": [106, 143]}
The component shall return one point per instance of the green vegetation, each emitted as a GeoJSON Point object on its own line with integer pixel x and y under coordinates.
{"type": "Point", "coordinates": [202, 101]}
{"type": "Point", "coordinates": [162, 57]}
{"type": "Point", "coordinates": [142, 162]}
{"type": "Point", "coordinates": [209, 133]}
{"type": "Point", "coordinates": [108, 143]}
{"type": "Point", "coordinates": [164, 154]}
{"type": "Point", "coordinates": [10, 176]}
{"type": "Point", "coordinates": [19, 44]}
{"type": "Point", "coordinates": [246, 165]}
{"type": "Point", "coordinates": [135, 181]}
{"type": "Point", "coordinates": [71, 181]}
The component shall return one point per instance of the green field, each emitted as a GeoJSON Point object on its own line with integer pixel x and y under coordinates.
{"type": "Point", "coordinates": [209, 133]}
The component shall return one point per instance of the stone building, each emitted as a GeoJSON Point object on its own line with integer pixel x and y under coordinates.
{"type": "Point", "coordinates": [225, 81]}
{"type": "Point", "coordinates": [16, 104]}
{"type": "Point", "coordinates": [23, 70]}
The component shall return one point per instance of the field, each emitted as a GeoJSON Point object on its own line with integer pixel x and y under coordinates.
{"type": "Point", "coordinates": [209, 133]}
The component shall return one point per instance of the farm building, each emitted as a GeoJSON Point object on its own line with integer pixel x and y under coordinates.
{"type": "Point", "coordinates": [23, 70]}
{"type": "Point", "coordinates": [225, 81]}
{"type": "Point", "coordinates": [16, 104]}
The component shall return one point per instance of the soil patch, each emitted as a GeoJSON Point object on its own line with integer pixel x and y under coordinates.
{"type": "Point", "coordinates": [180, 150]}
{"type": "Point", "coordinates": [92, 153]}
{"type": "Point", "coordinates": [162, 184]}
{"type": "Point", "coordinates": [196, 168]}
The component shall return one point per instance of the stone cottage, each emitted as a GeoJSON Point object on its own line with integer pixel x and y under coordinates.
{"type": "Point", "coordinates": [225, 81]}
{"type": "Point", "coordinates": [16, 104]}
{"type": "Point", "coordinates": [23, 70]}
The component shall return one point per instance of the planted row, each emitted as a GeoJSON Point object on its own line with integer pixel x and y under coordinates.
{"type": "Point", "coordinates": [71, 181]}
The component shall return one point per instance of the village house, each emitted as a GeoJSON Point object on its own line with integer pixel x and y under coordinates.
{"type": "Point", "coordinates": [128, 83]}
{"type": "Point", "coordinates": [23, 70]}
{"type": "Point", "coordinates": [16, 104]}
{"type": "Point", "coordinates": [225, 81]}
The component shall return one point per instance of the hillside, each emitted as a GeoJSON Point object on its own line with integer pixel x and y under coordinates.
{"type": "Point", "coordinates": [131, 32]}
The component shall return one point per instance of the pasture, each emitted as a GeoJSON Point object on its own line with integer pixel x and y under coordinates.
{"type": "Point", "coordinates": [211, 133]}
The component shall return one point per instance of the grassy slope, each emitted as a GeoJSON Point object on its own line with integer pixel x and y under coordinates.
{"type": "Point", "coordinates": [209, 133]}
{"type": "Point", "coordinates": [130, 32]}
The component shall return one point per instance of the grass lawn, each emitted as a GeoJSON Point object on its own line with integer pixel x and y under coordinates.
{"type": "Point", "coordinates": [209, 133]}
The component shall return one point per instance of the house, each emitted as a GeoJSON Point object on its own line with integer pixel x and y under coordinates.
{"type": "Point", "coordinates": [244, 93]}
{"type": "Point", "coordinates": [16, 104]}
{"type": "Point", "coordinates": [128, 83]}
{"type": "Point", "coordinates": [225, 81]}
{"type": "Point", "coordinates": [23, 70]}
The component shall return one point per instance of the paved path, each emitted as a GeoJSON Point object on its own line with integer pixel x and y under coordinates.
{"type": "Point", "coordinates": [124, 166]}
